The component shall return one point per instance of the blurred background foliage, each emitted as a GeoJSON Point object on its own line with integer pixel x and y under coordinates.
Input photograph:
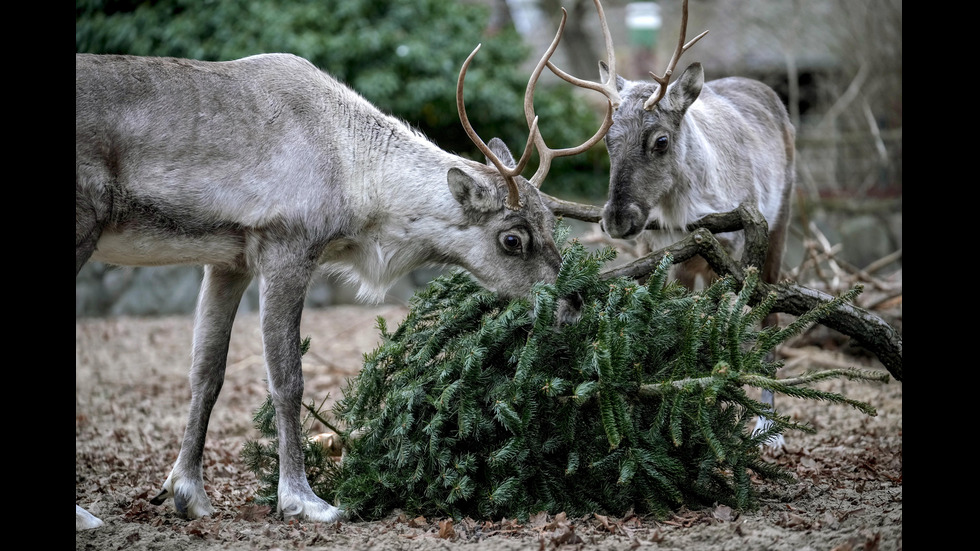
{"type": "Point", "coordinates": [402, 55]}
{"type": "Point", "coordinates": [837, 64]}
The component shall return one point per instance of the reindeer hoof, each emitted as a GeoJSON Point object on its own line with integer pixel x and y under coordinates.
{"type": "Point", "coordinates": [160, 498]}
{"type": "Point", "coordinates": [85, 520]}
{"type": "Point", "coordinates": [312, 509]}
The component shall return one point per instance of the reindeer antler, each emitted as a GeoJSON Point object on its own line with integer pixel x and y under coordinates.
{"type": "Point", "coordinates": [535, 139]}
{"type": "Point", "coordinates": [513, 194]}
{"type": "Point", "coordinates": [608, 89]}
{"type": "Point", "coordinates": [662, 81]}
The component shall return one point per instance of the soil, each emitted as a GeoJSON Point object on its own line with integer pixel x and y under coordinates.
{"type": "Point", "coordinates": [131, 395]}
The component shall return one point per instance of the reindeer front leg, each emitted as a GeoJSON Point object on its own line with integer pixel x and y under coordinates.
{"type": "Point", "coordinates": [221, 293]}
{"type": "Point", "coordinates": [762, 424]}
{"type": "Point", "coordinates": [283, 289]}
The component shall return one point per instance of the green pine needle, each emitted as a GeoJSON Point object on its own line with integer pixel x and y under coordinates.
{"type": "Point", "coordinates": [477, 407]}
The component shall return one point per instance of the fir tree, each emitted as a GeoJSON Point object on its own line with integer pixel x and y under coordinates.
{"type": "Point", "coordinates": [478, 407]}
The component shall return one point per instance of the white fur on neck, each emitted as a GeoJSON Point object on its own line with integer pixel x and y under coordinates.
{"type": "Point", "coordinates": [403, 213]}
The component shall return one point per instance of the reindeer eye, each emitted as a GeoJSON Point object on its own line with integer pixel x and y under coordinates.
{"type": "Point", "coordinates": [514, 241]}
{"type": "Point", "coordinates": [660, 144]}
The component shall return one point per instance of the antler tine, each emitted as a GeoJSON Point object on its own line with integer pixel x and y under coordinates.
{"type": "Point", "coordinates": [513, 194]}
{"type": "Point", "coordinates": [608, 89]}
{"type": "Point", "coordinates": [662, 81]}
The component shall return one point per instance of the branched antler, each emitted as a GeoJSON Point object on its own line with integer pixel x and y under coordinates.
{"type": "Point", "coordinates": [546, 154]}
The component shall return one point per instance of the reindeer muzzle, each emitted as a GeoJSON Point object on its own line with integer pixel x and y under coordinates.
{"type": "Point", "coordinates": [623, 222]}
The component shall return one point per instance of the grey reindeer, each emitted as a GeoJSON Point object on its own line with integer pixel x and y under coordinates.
{"type": "Point", "coordinates": [267, 167]}
{"type": "Point", "coordinates": [679, 151]}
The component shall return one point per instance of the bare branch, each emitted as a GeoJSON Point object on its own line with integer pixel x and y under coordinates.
{"type": "Point", "coordinates": [870, 330]}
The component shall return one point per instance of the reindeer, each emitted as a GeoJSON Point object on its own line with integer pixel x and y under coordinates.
{"type": "Point", "coordinates": [679, 151]}
{"type": "Point", "coordinates": [266, 167]}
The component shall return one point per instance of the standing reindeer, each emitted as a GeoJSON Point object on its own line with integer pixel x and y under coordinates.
{"type": "Point", "coordinates": [679, 151]}
{"type": "Point", "coordinates": [267, 167]}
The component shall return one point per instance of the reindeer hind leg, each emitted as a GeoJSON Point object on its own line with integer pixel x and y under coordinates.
{"type": "Point", "coordinates": [90, 216]}
{"type": "Point", "coordinates": [88, 227]}
{"type": "Point", "coordinates": [221, 292]}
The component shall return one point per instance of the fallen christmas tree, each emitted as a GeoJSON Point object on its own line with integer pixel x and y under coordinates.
{"type": "Point", "coordinates": [474, 407]}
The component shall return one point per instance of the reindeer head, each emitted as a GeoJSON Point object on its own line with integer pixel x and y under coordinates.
{"type": "Point", "coordinates": [646, 152]}
{"type": "Point", "coordinates": [644, 142]}
{"type": "Point", "coordinates": [524, 250]}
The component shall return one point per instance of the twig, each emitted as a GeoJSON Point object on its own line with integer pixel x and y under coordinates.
{"type": "Point", "coordinates": [883, 261]}
{"type": "Point", "coordinates": [815, 357]}
{"type": "Point", "coordinates": [315, 412]}
{"type": "Point", "coordinates": [886, 298]}
{"type": "Point", "coordinates": [828, 249]}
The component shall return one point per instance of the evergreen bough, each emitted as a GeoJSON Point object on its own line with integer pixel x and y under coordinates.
{"type": "Point", "coordinates": [478, 407]}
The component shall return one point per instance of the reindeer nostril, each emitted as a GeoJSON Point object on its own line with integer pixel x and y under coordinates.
{"type": "Point", "coordinates": [623, 223]}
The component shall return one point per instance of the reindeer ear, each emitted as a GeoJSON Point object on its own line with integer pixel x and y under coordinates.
{"type": "Point", "coordinates": [604, 76]}
{"type": "Point", "coordinates": [687, 88]}
{"type": "Point", "coordinates": [500, 149]}
{"type": "Point", "coordinates": [473, 194]}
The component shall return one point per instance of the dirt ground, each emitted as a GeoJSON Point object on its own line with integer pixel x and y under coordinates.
{"type": "Point", "coordinates": [131, 393]}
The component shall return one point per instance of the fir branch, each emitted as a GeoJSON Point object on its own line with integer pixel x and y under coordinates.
{"type": "Point", "coordinates": [794, 386]}
{"type": "Point", "coordinates": [811, 377]}
{"type": "Point", "coordinates": [607, 413]}
{"type": "Point", "coordinates": [785, 386]}
{"type": "Point", "coordinates": [664, 389]}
